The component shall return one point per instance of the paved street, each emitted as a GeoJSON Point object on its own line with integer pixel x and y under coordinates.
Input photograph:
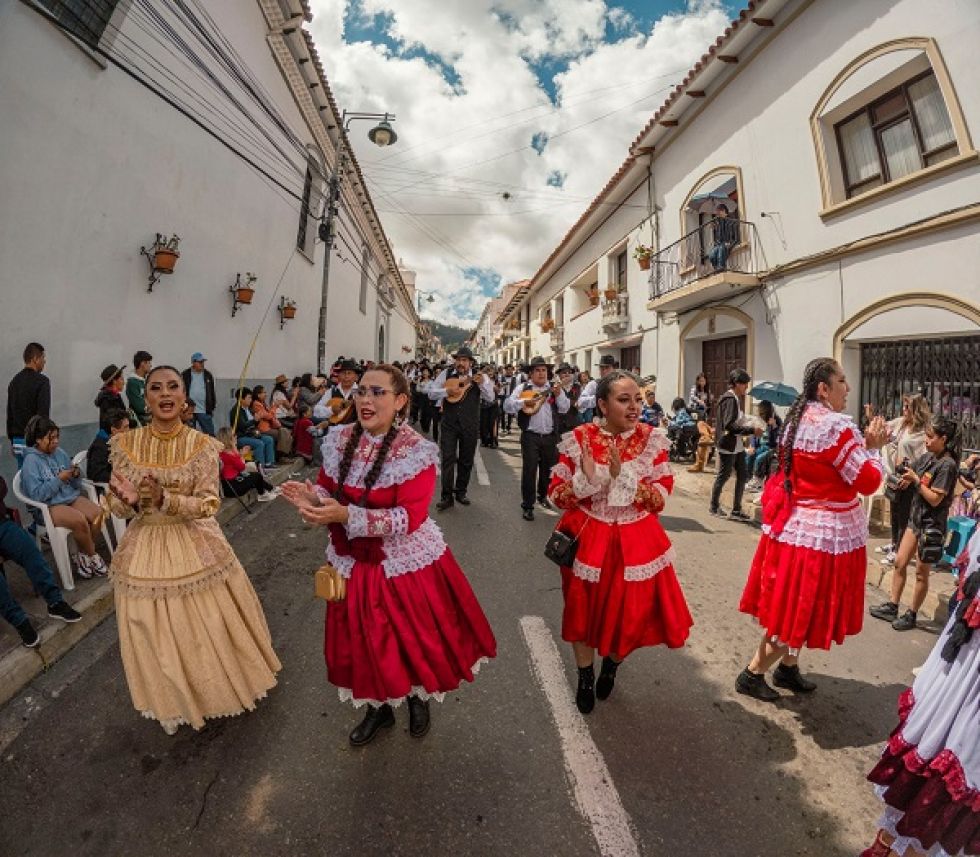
{"type": "Point", "coordinates": [695, 768]}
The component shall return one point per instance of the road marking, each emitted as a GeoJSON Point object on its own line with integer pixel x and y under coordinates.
{"type": "Point", "coordinates": [596, 795]}
{"type": "Point", "coordinates": [482, 477]}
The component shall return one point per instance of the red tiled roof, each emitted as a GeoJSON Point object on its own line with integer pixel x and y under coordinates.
{"type": "Point", "coordinates": [699, 66]}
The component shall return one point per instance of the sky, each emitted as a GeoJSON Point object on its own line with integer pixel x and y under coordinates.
{"type": "Point", "coordinates": [511, 115]}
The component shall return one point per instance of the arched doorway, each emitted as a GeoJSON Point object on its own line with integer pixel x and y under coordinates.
{"type": "Point", "coordinates": [381, 343]}
{"type": "Point", "coordinates": [715, 341]}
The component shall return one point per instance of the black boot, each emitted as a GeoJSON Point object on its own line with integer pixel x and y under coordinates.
{"type": "Point", "coordinates": [755, 685]}
{"type": "Point", "coordinates": [585, 695]}
{"type": "Point", "coordinates": [375, 720]}
{"type": "Point", "coordinates": [792, 679]}
{"type": "Point", "coordinates": [607, 678]}
{"type": "Point", "coordinates": [418, 716]}
{"type": "Point", "coordinates": [444, 503]}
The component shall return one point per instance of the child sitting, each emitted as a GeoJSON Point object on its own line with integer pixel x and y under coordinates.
{"type": "Point", "coordinates": [236, 480]}
{"type": "Point", "coordinates": [303, 434]}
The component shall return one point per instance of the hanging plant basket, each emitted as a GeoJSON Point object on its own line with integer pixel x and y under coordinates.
{"type": "Point", "coordinates": [165, 259]}
{"type": "Point", "coordinates": [644, 262]}
{"type": "Point", "coordinates": [289, 311]}
{"type": "Point", "coordinates": [244, 295]}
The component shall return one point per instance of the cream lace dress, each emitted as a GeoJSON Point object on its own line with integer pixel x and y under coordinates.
{"type": "Point", "coordinates": [193, 637]}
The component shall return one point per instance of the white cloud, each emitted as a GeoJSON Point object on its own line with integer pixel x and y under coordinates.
{"type": "Point", "coordinates": [461, 147]}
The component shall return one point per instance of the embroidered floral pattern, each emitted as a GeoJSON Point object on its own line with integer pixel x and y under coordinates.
{"type": "Point", "coordinates": [409, 455]}
{"type": "Point", "coordinates": [408, 552]}
{"type": "Point", "coordinates": [373, 523]}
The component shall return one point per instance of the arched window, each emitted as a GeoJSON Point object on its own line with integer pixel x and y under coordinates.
{"type": "Point", "coordinates": [890, 117]}
{"type": "Point", "coordinates": [362, 300]}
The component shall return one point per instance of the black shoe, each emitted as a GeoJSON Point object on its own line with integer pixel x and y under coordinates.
{"type": "Point", "coordinates": [528, 514]}
{"type": "Point", "coordinates": [585, 694]}
{"type": "Point", "coordinates": [545, 503]}
{"type": "Point", "coordinates": [738, 515]}
{"type": "Point", "coordinates": [718, 512]}
{"type": "Point", "coordinates": [607, 678]}
{"type": "Point", "coordinates": [755, 686]}
{"type": "Point", "coordinates": [444, 503]}
{"type": "Point", "coordinates": [792, 679]}
{"type": "Point", "coordinates": [463, 500]}
{"type": "Point", "coordinates": [887, 611]}
{"type": "Point", "coordinates": [64, 611]}
{"type": "Point", "coordinates": [375, 720]}
{"type": "Point", "coordinates": [905, 622]}
{"type": "Point", "coordinates": [418, 717]}
{"type": "Point", "coordinates": [28, 636]}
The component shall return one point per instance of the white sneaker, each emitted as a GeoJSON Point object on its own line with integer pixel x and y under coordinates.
{"type": "Point", "coordinates": [268, 497]}
{"type": "Point", "coordinates": [97, 565]}
{"type": "Point", "coordinates": [754, 485]}
{"type": "Point", "coordinates": [885, 549]}
{"type": "Point", "coordinates": [83, 567]}
{"type": "Point", "coordinates": [888, 558]}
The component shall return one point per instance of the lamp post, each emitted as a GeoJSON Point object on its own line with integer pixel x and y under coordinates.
{"type": "Point", "coordinates": [429, 299]}
{"type": "Point", "coordinates": [382, 134]}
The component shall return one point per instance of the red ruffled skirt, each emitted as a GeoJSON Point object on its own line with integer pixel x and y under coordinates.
{"type": "Point", "coordinates": [420, 633]}
{"type": "Point", "coordinates": [805, 597]}
{"type": "Point", "coordinates": [615, 616]}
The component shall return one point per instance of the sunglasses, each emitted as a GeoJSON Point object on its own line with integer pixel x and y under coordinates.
{"type": "Point", "coordinates": [373, 392]}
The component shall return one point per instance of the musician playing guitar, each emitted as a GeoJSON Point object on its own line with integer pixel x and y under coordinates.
{"type": "Point", "coordinates": [341, 402]}
{"type": "Point", "coordinates": [539, 405]}
{"type": "Point", "coordinates": [459, 393]}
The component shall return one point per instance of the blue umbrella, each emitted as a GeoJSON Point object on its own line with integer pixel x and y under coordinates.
{"type": "Point", "coordinates": [775, 392]}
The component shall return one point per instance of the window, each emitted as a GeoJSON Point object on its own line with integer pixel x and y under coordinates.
{"type": "Point", "coordinates": [902, 132]}
{"type": "Point", "coordinates": [310, 205]}
{"type": "Point", "coordinates": [362, 300]}
{"type": "Point", "coordinates": [620, 270]}
{"type": "Point", "coordinates": [84, 19]}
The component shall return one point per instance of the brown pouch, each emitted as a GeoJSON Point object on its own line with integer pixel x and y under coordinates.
{"type": "Point", "coordinates": [328, 584]}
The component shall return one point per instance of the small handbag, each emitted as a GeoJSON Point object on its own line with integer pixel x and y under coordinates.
{"type": "Point", "coordinates": [931, 546]}
{"type": "Point", "coordinates": [561, 547]}
{"type": "Point", "coordinates": [328, 584]}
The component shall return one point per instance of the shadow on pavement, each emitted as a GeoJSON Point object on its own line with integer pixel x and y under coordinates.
{"type": "Point", "coordinates": [674, 524]}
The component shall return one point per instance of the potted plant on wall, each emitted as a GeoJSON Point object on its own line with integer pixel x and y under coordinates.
{"type": "Point", "coordinates": [244, 292]}
{"type": "Point", "coordinates": [593, 294]}
{"type": "Point", "coordinates": [643, 254]}
{"type": "Point", "coordinates": [611, 292]}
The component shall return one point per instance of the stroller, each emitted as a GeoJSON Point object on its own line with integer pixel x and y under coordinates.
{"type": "Point", "coordinates": [683, 442]}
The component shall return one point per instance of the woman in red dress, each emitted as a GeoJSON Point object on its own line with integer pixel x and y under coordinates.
{"type": "Point", "coordinates": [621, 592]}
{"type": "Point", "coordinates": [410, 625]}
{"type": "Point", "coordinates": [806, 584]}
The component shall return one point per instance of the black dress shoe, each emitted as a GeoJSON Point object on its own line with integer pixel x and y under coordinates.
{"type": "Point", "coordinates": [375, 720]}
{"type": "Point", "coordinates": [792, 679]}
{"type": "Point", "coordinates": [463, 500]}
{"type": "Point", "coordinates": [418, 716]}
{"type": "Point", "coordinates": [545, 503]}
{"type": "Point", "coordinates": [755, 686]}
{"type": "Point", "coordinates": [607, 678]}
{"type": "Point", "coordinates": [444, 503]}
{"type": "Point", "coordinates": [528, 514]}
{"type": "Point", "coordinates": [585, 694]}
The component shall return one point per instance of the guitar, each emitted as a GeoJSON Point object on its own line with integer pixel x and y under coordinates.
{"type": "Point", "coordinates": [457, 388]}
{"type": "Point", "coordinates": [342, 409]}
{"type": "Point", "coordinates": [532, 400]}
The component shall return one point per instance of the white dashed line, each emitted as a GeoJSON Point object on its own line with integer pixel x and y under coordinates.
{"type": "Point", "coordinates": [482, 477]}
{"type": "Point", "coordinates": [591, 783]}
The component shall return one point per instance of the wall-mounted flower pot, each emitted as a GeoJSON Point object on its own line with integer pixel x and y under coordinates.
{"type": "Point", "coordinates": [644, 263]}
{"type": "Point", "coordinates": [289, 312]}
{"type": "Point", "coordinates": [164, 260]}
{"type": "Point", "coordinates": [611, 294]}
{"type": "Point", "coordinates": [244, 295]}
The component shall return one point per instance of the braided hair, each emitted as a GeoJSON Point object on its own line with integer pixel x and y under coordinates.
{"type": "Point", "coordinates": [399, 384]}
{"type": "Point", "coordinates": [817, 372]}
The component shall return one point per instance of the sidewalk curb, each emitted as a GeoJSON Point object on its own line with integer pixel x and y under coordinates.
{"type": "Point", "coordinates": [21, 665]}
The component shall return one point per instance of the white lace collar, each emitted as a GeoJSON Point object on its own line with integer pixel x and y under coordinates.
{"type": "Point", "coordinates": [821, 427]}
{"type": "Point", "coordinates": [409, 455]}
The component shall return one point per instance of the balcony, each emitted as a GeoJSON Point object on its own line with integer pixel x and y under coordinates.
{"type": "Point", "coordinates": [557, 337]}
{"type": "Point", "coordinates": [696, 269]}
{"type": "Point", "coordinates": [616, 314]}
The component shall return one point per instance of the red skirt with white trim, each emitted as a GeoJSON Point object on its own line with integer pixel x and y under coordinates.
{"type": "Point", "coordinates": [805, 597]}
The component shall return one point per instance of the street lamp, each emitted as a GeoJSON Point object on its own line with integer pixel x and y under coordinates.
{"type": "Point", "coordinates": [381, 135]}
{"type": "Point", "coordinates": [429, 300]}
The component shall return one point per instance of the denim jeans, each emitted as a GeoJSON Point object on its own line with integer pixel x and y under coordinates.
{"type": "Point", "coordinates": [763, 457]}
{"type": "Point", "coordinates": [19, 547]}
{"type": "Point", "coordinates": [718, 256]}
{"type": "Point", "coordinates": [263, 448]}
{"type": "Point", "coordinates": [205, 423]}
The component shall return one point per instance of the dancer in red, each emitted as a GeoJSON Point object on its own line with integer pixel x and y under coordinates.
{"type": "Point", "coordinates": [806, 584]}
{"type": "Point", "coordinates": [620, 592]}
{"type": "Point", "coordinates": [409, 626]}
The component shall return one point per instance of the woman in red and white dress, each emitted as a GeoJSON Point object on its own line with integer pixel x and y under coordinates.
{"type": "Point", "coordinates": [806, 584]}
{"type": "Point", "coordinates": [929, 774]}
{"type": "Point", "coordinates": [621, 592]}
{"type": "Point", "coordinates": [410, 625]}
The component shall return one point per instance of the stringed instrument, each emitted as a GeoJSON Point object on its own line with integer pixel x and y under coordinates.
{"type": "Point", "coordinates": [532, 400]}
{"type": "Point", "coordinates": [457, 388]}
{"type": "Point", "coordinates": [342, 409]}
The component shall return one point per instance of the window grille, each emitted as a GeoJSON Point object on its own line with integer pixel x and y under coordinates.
{"type": "Point", "coordinates": [84, 19]}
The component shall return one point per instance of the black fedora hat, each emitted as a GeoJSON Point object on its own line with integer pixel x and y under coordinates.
{"type": "Point", "coordinates": [111, 372]}
{"type": "Point", "coordinates": [607, 360]}
{"type": "Point", "coordinates": [348, 366]}
{"type": "Point", "coordinates": [564, 367]}
{"type": "Point", "coordinates": [539, 361]}
{"type": "Point", "coordinates": [464, 351]}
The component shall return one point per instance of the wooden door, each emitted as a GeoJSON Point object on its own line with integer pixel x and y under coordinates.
{"type": "Point", "coordinates": [718, 358]}
{"type": "Point", "coordinates": [629, 357]}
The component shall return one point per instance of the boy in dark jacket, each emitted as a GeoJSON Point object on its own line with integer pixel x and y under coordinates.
{"type": "Point", "coordinates": [730, 428]}
{"type": "Point", "coordinates": [97, 466]}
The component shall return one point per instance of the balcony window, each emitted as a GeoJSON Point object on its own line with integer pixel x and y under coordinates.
{"type": "Point", "coordinates": [86, 20]}
{"type": "Point", "coordinates": [620, 270]}
{"type": "Point", "coordinates": [901, 133]}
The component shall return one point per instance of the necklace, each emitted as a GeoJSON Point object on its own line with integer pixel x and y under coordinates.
{"type": "Point", "coordinates": [166, 435]}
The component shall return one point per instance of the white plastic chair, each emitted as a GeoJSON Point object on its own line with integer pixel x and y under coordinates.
{"type": "Point", "coordinates": [92, 490]}
{"type": "Point", "coordinates": [58, 536]}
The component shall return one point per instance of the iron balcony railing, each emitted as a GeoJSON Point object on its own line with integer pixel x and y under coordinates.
{"type": "Point", "coordinates": [616, 312]}
{"type": "Point", "coordinates": [718, 245]}
{"type": "Point", "coordinates": [557, 337]}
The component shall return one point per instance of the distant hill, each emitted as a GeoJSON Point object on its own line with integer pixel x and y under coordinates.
{"type": "Point", "coordinates": [449, 335]}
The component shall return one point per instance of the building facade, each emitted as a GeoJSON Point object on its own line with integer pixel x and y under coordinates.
{"type": "Point", "coordinates": [212, 122]}
{"type": "Point", "coordinates": [839, 137]}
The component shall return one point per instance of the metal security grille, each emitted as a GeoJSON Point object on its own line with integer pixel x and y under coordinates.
{"type": "Point", "coordinates": [84, 19]}
{"type": "Point", "coordinates": [946, 371]}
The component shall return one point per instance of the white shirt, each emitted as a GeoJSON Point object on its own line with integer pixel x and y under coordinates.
{"type": "Point", "coordinates": [542, 421]}
{"type": "Point", "coordinates": [437, 390]}
{"type": "Point", "coordinates": [586, 399]}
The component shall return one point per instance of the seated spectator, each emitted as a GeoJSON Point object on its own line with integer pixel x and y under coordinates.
{"type": "Point", "coordinates": [110, 396]}
{"type": "Point", "coordinates": [682, 417]}
{"type": "Point", "coordinates": [246, 430]}
{"type": "Point", "coordinates": [284, 402]}
{"type": "Point", "coordinates": [652, 412]}
{"type": "Point", "coordinates": [236, 480]}
{"type": "Point", "coordinates": [310, 393]}
{"type": "Point", "coordinates": [17, 546]}
{"type": "Point", "coordinates": [97, 466]}
{"type": "Point", "coordinates": [967, 504]}
{"type": "Point", "coordinates": [303, 434]}
{"type": "Point", "coordinates": [268, 423]}
{"type": "Point", "coordinates": [682, 429]}
{"type": "Point", "coordinates": [759, 462]}
{"type": "Point", "coordinates": [49, 477]}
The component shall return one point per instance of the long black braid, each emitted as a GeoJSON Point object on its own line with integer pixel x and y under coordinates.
{"type": "Point", "coordinates": [820, 370]}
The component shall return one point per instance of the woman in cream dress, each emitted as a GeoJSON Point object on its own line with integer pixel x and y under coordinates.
{"type": "Point", "coordinates": [193, 638]}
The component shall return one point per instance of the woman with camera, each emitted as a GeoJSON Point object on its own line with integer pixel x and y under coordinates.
{"type": "Point", "coordinates": [906, 442]}
{"type": "Point", "coordinates": [931, 478]}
